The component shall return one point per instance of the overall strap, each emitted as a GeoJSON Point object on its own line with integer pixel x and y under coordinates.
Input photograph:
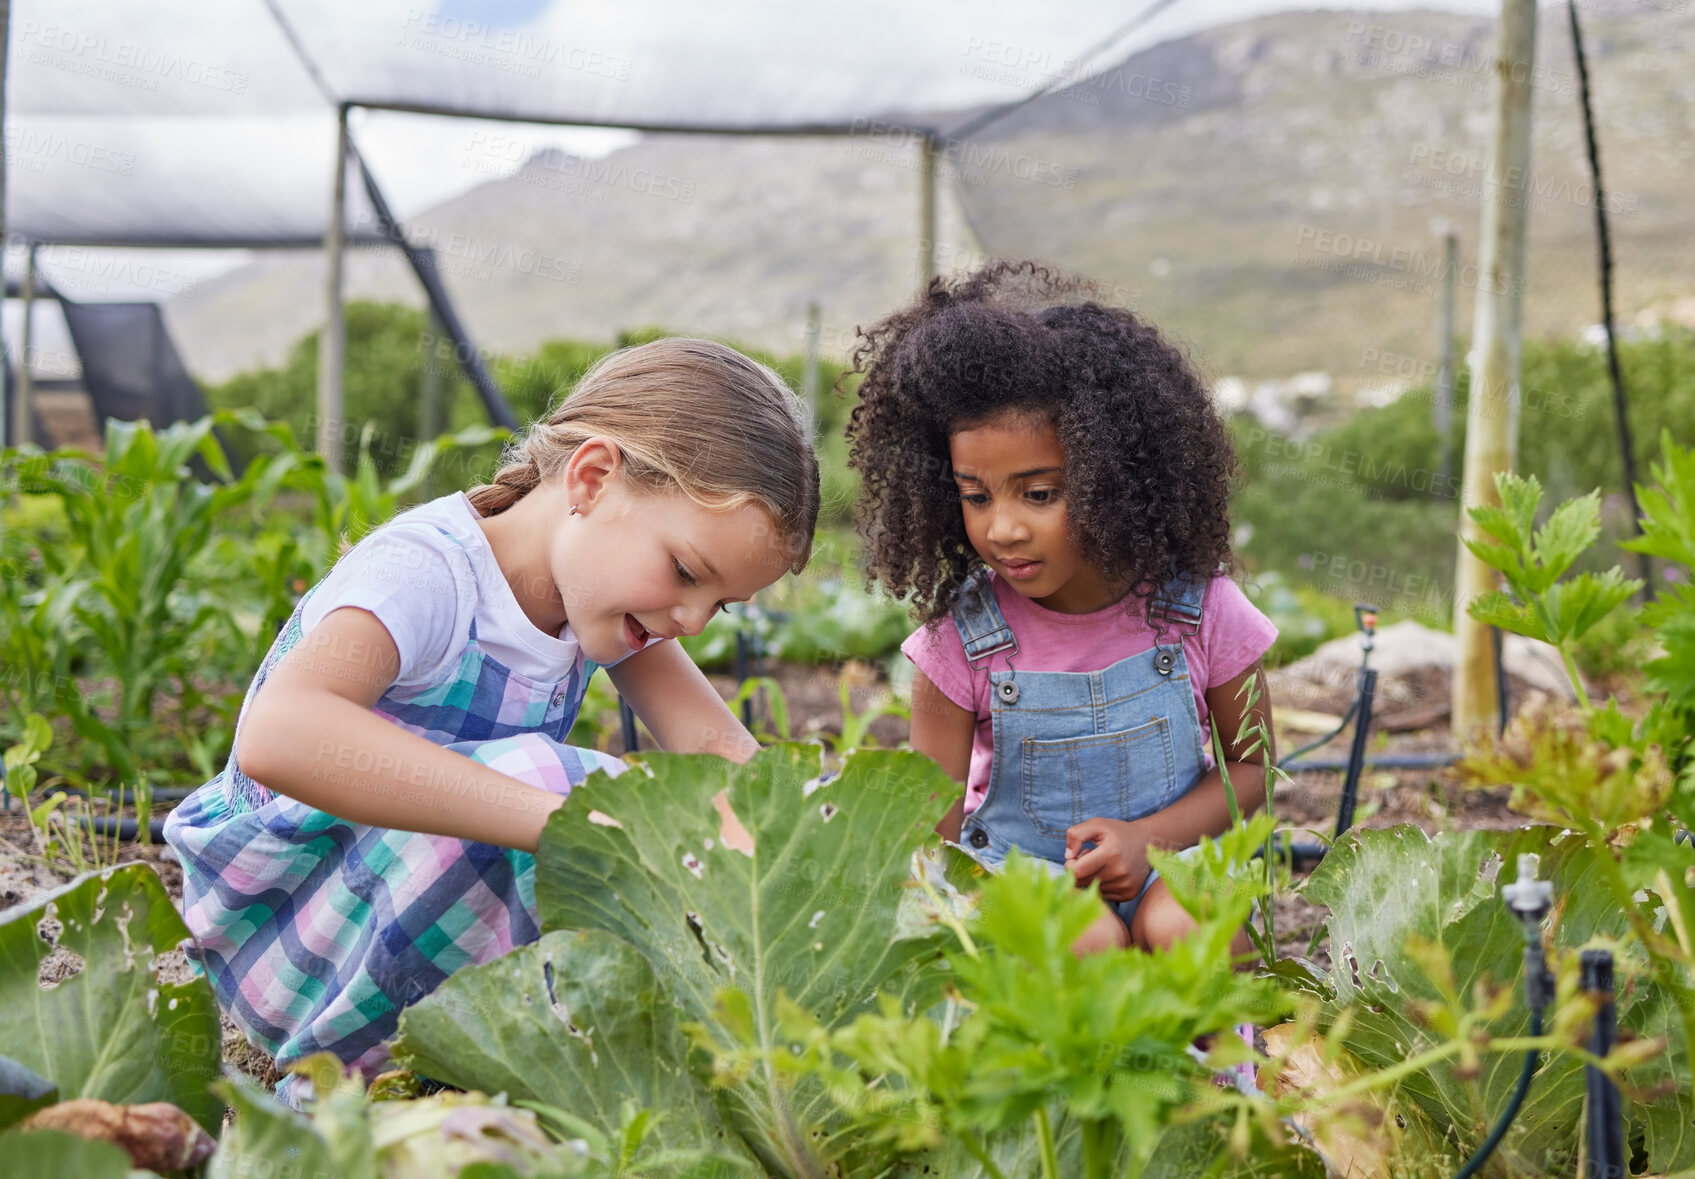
{"type": "Point", "coordinates": [1175, 614]}
{"type": "Point", "coordinates": [982, 627]}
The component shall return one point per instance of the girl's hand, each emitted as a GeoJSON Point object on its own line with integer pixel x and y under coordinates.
{"type": "Point", "coordinates": [1119, 859]}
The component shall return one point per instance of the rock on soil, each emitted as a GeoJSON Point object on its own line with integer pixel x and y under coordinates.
{"type": "Point", "coordinates": [1414, 669]}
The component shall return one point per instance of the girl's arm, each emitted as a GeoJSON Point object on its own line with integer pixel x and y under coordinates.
{"type": "Point", "coordinates": [1119, 857]}
{"type": "Point", "coordinates": [943, 732]}
{"type": "Point", "coordinates": [678, 704]}
{"type": "Point", "coordinates": [1205, 810]}
{"type": "Point", "coordinates": [310, 734]}
{"type": "Point", "coordinates": [686, 715]}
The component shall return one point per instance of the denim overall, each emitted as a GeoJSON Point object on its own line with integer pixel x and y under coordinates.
{"type": "Point", "coordinates": [1118, 743]}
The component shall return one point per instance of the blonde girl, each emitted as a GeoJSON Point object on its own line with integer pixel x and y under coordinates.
{"type": "Point", "coordinates": [402, 744]}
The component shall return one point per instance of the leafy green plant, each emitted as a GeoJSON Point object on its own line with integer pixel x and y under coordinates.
{"type": "Point", "coordinates": [62, 822]}
{"type": "Point", "coordinates": [1624, 786]}
{"type": "Point", "coordinates": [54, 1152]}
{"type": "Point", "coordinates": [19, 759]}
{"type": "Point", "coordinates": [812, 915]}
{"type": "Point", "coordinates": [468, 1135]}
{"type": "Point", "coordinates": [776, 704]}
{"type": "Point", "coordinates": [59, 820]}
{"type": "Point", "coordinates": [1424, 990]}
{"type": "Point", "coordinates": [1533, 561]}
{"type": "Point", "coordinates": [134, 524]}
{"type": "Point", "coordinates": [817, 1008]}
{"type": "Point", "coordinates": [856, 725]}
{"type": "Point", "coordinates": [134, 594]}
{"type": "Point", "coordinates": [1103, 1038]}
{"type": "Point", "coordinates": [82, 1003]}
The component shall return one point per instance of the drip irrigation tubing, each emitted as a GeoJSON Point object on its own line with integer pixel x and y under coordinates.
{"type": "Point", "coordinates": [1389, 761]}
{"type": "Point", "coordinates": [107, 827]}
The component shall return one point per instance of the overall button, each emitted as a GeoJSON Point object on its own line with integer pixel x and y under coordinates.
{"type": "Point", "coordinates": [1164, 660]}
{"type": "Point", "coordinates": [979, 838]}
{"type": "Point", "coordinates": [558, 699]}
{"type": "Point", "coordinates": [1007, 690]}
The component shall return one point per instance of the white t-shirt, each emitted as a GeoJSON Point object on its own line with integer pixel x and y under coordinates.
{"type": "Point", "coordinates": [425, 589]}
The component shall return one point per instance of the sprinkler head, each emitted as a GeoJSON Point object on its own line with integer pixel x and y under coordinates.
{"type": "Point", "coordinates": [1528, 898]}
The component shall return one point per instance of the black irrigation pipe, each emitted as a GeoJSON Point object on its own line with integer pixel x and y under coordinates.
{"type": "Point", "coordinates": [1395, 761]}
{"type": "Point", "coordinates": [1531, 1059]}
{"type": "Point", "coordinates": [126, 794]}
{"type": "Point", "coordinates": [1530, 900]}
{"type": "Point", "coordinates": [107, 827]}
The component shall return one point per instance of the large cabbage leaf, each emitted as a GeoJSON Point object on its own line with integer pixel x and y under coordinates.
{"type": "Point", "coordinates": [112, 1030]}
{"type": "Point", "coordinates": [576, 1020]}
{"type": "Point", "coordinates": [818, 911]}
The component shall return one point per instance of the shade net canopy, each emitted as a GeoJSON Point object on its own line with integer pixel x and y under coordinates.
{"type": "Point", "coordinates": [212, 122]}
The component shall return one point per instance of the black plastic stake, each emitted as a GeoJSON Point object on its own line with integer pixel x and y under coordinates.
{"type": "Point", "coordinates": [1500, 679]}
{"type": "Point", "coordinates": [1605, 1130]}
{"type": "Point", "coordinates": [1356, 753]}
{"type": "Point", "coordinates": [744, 648]}
{"type": "Point", "coordinates": [627, 716]}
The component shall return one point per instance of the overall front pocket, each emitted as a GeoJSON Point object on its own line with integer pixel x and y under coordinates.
{"type": "Point", "coordinates": [1119, 775]}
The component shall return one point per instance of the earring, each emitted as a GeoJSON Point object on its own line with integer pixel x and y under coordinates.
{"type": "Point", "coordinates": [573, 510]}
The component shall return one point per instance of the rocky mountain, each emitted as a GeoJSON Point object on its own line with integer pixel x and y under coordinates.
{"type": "Point", "coordinates": [1271, 191]}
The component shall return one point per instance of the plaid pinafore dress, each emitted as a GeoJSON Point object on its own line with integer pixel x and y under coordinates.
{"type": "Point", "coordinates": [315, 932]}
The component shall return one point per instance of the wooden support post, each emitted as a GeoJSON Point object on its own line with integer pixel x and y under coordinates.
{"type": "Point", "coordinates": [1491, 441]}
{"type": "Point", "coordinates": [332, 340]}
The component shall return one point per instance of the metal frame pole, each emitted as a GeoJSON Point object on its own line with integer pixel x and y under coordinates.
{"type": "Point", "coordinates": [809, 368]}
{"type": "Point", "coordinates": [332, 340]}
{"type": "Point", "coordinates": [21, 404]}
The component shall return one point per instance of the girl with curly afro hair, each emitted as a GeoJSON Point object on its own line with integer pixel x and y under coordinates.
{"type": "Point", "coordinates": [1047, 480]}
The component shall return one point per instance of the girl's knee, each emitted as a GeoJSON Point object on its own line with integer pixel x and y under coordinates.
{"type": "Point", "coordinates": [1107, 933]}
{"type": "Point", "coordinates": [1160, 921]}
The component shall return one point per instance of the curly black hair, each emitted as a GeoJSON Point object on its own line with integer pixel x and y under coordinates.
{"type": "Point", "coordinates": [1148, 461]}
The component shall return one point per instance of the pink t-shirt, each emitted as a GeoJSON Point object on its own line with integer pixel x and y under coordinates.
{"type": "Point", "coordinates": [1232, 636]}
